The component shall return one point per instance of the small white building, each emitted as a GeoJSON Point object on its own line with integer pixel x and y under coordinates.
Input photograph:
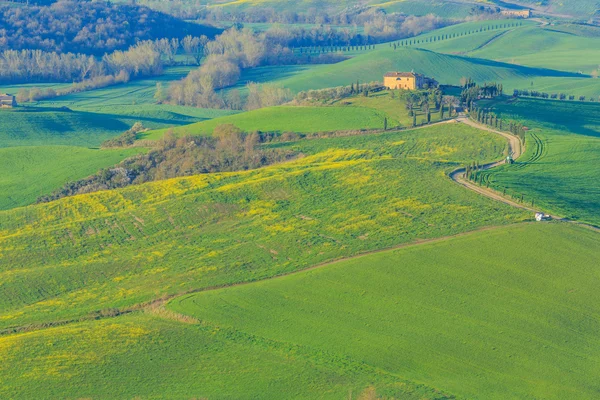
{"type": "Point", "coordinates": [539, 217]}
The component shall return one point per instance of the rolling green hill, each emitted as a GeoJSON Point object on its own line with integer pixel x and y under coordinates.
{"type": "Point", "coordinates": [447, 69]}
{"type": "Point", "coordinates": [353, 113]}
{"type": "Point", "coordinates": [89, 118]}
{"type": "Point", "coordinates": [348, 195]}
{"type": "Point", "coordinates": [40, 126]}
{"type": "Point", "coordinates": [560, 167]}
{"type": "Point", "coordinates": [289, 119]}
{"type": "Point", "coordinates": [545, 48]}
{"type": "Point", "coordinates": [507, 313]}
{"type": "Point", "coordinates": [31, 171]}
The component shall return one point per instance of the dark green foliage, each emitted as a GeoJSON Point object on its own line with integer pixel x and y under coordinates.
{"type": "Point", "coordinates": [229, 149]}
{"type": "Point", "coordinates": [89, 27]}
{"type": "Point", "coordinates": [125, 139]}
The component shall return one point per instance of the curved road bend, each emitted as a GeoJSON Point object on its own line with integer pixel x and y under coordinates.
{"type": "Point", "coordinates": [515, 148]}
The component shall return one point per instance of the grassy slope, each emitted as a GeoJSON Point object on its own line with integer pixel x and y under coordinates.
{"type": "Point", "coordinates": [464, 315]}
{"type": "Point", "coordinates": [560, 169]}
{"type": "Point", "coordinates": [148, 357]}
{"type": "Point", "coordinates": [579, 8]}
{"type": "Point", "coordinates": [95, 115]}
{"type": "Point", "coordinates": [38, 126]}
{"type": "Point", "coordinates": [28, 172]}
{"type": "Point", "coordinates": [349, 195]}
{"type": "Point", "coordinates": [447, 69]}
{"type": "Point", "coordinates": [538, 47]}
{"type": "Point", "coordinates": [348, 114]}
{"type": "Point", "coordinates": [290, 119]}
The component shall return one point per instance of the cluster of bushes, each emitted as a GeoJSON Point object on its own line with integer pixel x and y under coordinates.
{"type": "Point", "coordinates": [89, 27]}
{"type": "Point", "coordinates": [126, 139]}
{"type": "Point", "coordinates": [228, 149]}
{"type": "Point", "coordinates": [472, 92]}
{"type": "Point", "coordinates": [553, 96]}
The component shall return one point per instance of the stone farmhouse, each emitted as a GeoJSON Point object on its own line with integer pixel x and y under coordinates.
{"type": "Point", "coordinates": [517, 13]}
{"type": "Point", "coordinates": [408, 81]}
{"type": "Point", "coordinates": [7, 101]}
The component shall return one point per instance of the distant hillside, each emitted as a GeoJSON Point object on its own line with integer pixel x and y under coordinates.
{"type": "Point", "coordinates": [578, 8]}
{"type": "Point", "coordinates": [88, 27]}
{"type": "Point", "coordinates": [447, 69]}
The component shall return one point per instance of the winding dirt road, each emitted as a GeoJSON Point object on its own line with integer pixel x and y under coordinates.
{"type": "Point", "coordinates": [515, 149]}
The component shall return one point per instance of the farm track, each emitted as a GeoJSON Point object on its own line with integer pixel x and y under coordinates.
{"type": "Point", "coordinates": [515, 148]}
{"type": "Point", "coordinates": [492, 40]}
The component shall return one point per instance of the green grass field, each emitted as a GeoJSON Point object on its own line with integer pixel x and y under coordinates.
{"type": "Point", "coordinates": [545, 48]}
{"type": "Point", "coordinates": [352, 113]}
{"type": "Point", "coordinates": [89, 118]}
{"type": "Point", "coordinates": [39, 126]}
{"type": "Point", "coordinates": [559, 170]}
{"type": "Point", "coordinates": [346, 196]}
{"type": "Point", "coordinates": [289, 119]}
{"type": "Point", "coordinates": [447, 69]}
{"type": "Point", "coordinates": [31, 171]}
{"type": "Point", "coordinates": [463, 317]}
{"type": "Point", "coordinates": [509, 313]}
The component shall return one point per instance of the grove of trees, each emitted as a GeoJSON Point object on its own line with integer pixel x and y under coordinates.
{"type": "Point", "coordinates": [89, 27]}
{"type": "Point", "coordinates": [228, 149]}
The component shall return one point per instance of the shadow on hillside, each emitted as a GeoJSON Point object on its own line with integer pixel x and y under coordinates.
{"type": "Point", "coordinates": [522, 70]}
{"type": "Point", "coordinates": [573, 116]}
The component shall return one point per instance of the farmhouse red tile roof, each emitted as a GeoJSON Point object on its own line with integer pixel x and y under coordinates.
{"type": "Point", "coordinates": [400, 75]}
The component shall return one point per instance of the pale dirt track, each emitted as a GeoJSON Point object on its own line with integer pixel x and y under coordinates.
{"type": "Point", "coordinates": [515, 148]}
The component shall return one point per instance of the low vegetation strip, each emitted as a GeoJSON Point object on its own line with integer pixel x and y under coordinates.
{"type": "Point", "coordinates": [348, 196]}
{"type": "Point", "coordinates": [455, 315]}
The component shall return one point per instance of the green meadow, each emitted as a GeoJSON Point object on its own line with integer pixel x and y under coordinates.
{"type": "Point", "coordinates": [505, 313]}
{"type": "Point", "coordinates": [28, 172]}
{"type": "Point", "coordinates": [508, 313]}
{"type": "Point", "coordinates": [446, 68]}
{"type": "Point", "coordinates": [353, 113]}
{"type": "Point", "coordinates": [545, 48]}
{"type": "Point", "coordinates": [559, 170]}
{"type": "Point", "coordinates": [346, 196]}
{"type": "Point", "coordinates": [40, 126]}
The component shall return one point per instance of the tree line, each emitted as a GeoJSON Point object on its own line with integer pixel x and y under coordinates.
{"type": "Point", "coordinates": [89, 27]}
{"type": "Point", "coordinates": [446, 36]}
{"type": "Point", "coordinates": [553, 96]}
{"type": "Point", "coordinates": [225, 59]}
{"type": "Point", "coordinates": [471, 91]}
{"type": "Point", "coordinates": [228, 149]}
{"type": "Point", "coordinates": [485, 116]}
